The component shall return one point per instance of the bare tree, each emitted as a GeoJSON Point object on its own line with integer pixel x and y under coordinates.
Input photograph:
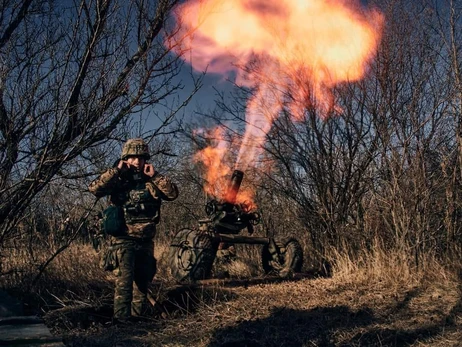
{"type": "Point", "coordinates": [411, 116]}
{"type": "Point", "coordinates": [70, 75]}
{"type": "Point", "coordinates": [386, 168]}
{"type": "Point", "coordinates": [447, 25]}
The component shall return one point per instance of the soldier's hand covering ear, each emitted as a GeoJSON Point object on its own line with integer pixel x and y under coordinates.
{"type": "Point", "coordinates": [149, 170]}
{"type": "Point", "coordinates": [123, 166]}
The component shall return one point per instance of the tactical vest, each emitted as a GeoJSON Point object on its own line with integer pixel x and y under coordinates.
{"type": "Point", "coordinates": [140, 206]}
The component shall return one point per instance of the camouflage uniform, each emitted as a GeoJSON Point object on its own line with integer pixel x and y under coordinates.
{"type": "Point", "coordinates": [133, 250]}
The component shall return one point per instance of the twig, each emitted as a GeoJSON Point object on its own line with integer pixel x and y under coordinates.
{"type": "Point", "coordinates": [63, 247]}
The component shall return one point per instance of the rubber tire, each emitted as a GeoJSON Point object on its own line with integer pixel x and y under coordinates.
{"type": "Point", "coordinates": [291, 258]}
{"type": "Point", "coordinates": [191, 255]}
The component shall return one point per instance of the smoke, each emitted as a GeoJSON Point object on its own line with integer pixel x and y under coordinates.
{"type": "Point", "coordinates": [290, 53]}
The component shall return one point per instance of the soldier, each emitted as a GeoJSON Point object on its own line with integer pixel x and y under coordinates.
{"type": "Point", "coordinates": [97, 235]}
{"type": "Point", "coordinates": [137, 189]}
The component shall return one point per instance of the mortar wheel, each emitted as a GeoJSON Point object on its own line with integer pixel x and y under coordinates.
{"type": "Point", "coordinates": [282, 257]}
{"type": "Point", "coordinates": [191, 255]}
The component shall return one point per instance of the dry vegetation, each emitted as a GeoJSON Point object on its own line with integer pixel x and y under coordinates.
{"type": "Point", "coordinates": [374, 194]}
{"type": "Point", "coordinates": [379, 301]}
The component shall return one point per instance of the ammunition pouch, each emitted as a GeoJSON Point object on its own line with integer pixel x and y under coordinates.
{"type": "Point", "coordinates": [141, 207]}
{"type": "Point", "coordinates": [113, 222]}
{"type": "Point", "coordinates": [140, 213]}
{"type": "Point", "coordinates": [109, 260]}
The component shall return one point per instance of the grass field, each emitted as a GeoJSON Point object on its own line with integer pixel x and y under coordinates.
{"type": "Point", "coordinates": [375, 300]}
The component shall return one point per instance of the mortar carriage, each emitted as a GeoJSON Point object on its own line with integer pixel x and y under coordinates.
{"type": "Point", "coordinates": [193, 251]}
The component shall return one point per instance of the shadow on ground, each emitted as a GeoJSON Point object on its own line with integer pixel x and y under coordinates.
{"type": "Point", "coordinates": [83, 325]}
{"type": "Point", "coordinates": [322, 326]}
{"type": "Point", "coordinates": [383, 323]}
{"type": "Point", "coordinates": [290, 327]}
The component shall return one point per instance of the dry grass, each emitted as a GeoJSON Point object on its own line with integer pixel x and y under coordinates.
{"type": "Point", "coordinates": [395, 267]}
{"type": "Point", "coordinates": [73, 277]}
{"type": "Point", "coordinates": [378, 299]}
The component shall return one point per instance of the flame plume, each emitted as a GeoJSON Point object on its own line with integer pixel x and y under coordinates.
{"type": "Point", "coordinates": [290, 52]}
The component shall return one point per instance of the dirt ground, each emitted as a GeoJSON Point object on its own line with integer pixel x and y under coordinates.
{"type": "Point", "coordinates": [270, 312]}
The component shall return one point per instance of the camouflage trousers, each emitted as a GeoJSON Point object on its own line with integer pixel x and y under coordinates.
{"type": "Point", "coordinates": [135, 269]}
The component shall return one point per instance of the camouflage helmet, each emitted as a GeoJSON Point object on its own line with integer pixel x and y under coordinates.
{"type": "Point", "coordinates": [135, 148]}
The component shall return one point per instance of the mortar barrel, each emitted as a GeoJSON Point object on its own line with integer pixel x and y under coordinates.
{"type": "Point", "coordinates": [234, 185]}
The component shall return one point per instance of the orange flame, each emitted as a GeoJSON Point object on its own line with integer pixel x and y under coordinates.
{"type": "Point", "coordinates": [291, 52]}
{"type": "Point", "coordinates": [215, 157]}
